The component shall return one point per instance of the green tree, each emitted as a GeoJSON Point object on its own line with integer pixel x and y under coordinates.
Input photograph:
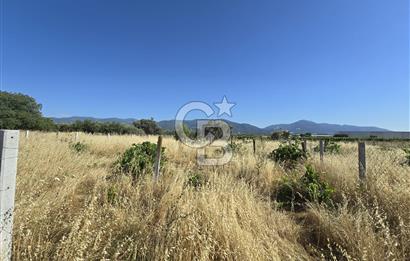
{"type": "Point", "coordinates": [150, 127]}
{"type": "Point", "coordinates": [19, 111]}
{"type": "Point", "coordinates": [277, 135]}
{"type": "Point", "coordinates": [215, 132]}
{"type": "Point", "coordinates": [89, 126]}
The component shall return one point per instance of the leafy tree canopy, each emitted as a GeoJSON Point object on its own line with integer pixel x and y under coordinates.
{"type": "Point", "coordinates": [19, 111]}
{"type": "Point", "coordinates": [150, 127]}
{"type": "Point", "coordinates": [89, 126]}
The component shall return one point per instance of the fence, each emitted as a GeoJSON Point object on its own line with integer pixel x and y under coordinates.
{"type": "Point", "coordinates": [378, 159]}
{"type": "Point", "coordinates": [359, 158]}
{"type": "Point", "coordinates": [9, 141]}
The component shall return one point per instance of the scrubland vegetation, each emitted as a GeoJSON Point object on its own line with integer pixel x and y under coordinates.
{"type": "Point", "coordinates": [72, 203]}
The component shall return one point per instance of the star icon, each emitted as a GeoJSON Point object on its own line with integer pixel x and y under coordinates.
{"type": "Point", "coordinates": [225, 107]}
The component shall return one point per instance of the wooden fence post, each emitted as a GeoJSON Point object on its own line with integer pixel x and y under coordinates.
{"type": "Point", "coordinates": [27, 133]}
{"type": "Point", "coordinates": [322, 149]}
{"type": "Point", "coordinates": [362, 160]}
{"type": "Point", "coordinates": [254, 146]}
{"type": "Point", "coordinates": [304, 146]}
{"type": "Point", "coordinates": [76, 136]}
{"type": "Point", "coordinates": [158, 159]}
{"type": "Point", "coordinates": [9, 142]}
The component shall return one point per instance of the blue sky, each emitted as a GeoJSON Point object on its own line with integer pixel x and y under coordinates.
{"type": "Point", "coordinates": [339, 61]}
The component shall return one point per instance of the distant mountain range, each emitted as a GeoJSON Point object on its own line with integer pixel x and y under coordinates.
{"type": "Point", "coordinates": [79, 118]}
{"type": "Point", "coordinates": [302, 126]}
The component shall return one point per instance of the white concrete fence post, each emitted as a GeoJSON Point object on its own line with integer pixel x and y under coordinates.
{"type": "Point", "coordinates": [27, 134]}
{"type": "Point", "coordinates": [9, 142]}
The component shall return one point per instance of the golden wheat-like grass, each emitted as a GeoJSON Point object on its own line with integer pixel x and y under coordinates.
{"type": "Point", "coordinates": [67, 208]}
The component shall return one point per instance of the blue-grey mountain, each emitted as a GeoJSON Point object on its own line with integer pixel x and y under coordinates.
{"type": "Point", "coordinates": [302, 126]}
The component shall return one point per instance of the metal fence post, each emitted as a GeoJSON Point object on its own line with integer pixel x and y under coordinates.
{"type": "Point", "coordinates": [9, 142]}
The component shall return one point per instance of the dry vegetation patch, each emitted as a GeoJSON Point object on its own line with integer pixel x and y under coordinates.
{"type": "Point", "coordinates": [68, 209]}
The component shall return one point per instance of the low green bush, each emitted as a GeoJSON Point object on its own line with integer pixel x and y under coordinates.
{"type": "Point", "coordinates": [407, 156]}
{"type": "Point", "coordinates": [196, 180]}
{"type": "Point", "coordinates": [236, 147]}
{"type": "Point", "coordinates": [333, 148]}
{"type": "Point", "coordinates": [293, 193]}
{"type": "Point", "coordinates": [112, 195]}
{"type": "Point", "coordinates": [139, 160]}
{"type": "Point", "coordinates": [329, 147]}
{"type": "Point", "coordinates": [289, 155]}
{"type": "Point", "coordinates": [79, 147]}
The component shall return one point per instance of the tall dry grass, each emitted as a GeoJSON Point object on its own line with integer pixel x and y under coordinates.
{"type": "Point", "coordinates": [67, 209]}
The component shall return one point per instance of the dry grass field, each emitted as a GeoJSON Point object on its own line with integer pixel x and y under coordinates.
{"type": "Point", "coordinates": [68, 207]}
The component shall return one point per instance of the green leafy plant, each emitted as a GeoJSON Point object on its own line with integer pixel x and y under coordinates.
{"type": "Point", "coordinates": [78, 147]}
{"type": "Point", "coordinates": [112, 195]}
{"type": "Point", "coordinates": [294, 193]}
{"type": "Point", "coordinates": [333, 148]}
{"type": "Point", "coordinates": [329, 147]}
{"type": "Point", "coordinates": [139, 160]}
{"type": "Point", "coordinates": [196, 180]}
{"type": "Point", "coordinates": [277, 135]}
{"type": "Point", "coordinates": [407, 156]}
{"type": "Point", "coordinates": [289, 155]}
{"type": "Point", "coordinates": [236, 147]}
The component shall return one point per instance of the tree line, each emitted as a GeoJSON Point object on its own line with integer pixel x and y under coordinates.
{"type": "Point", "coordinates": [20, 111]}
{"type": "Point", "coordinates": [140, 127]}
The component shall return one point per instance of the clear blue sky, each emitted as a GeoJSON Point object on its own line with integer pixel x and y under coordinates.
{"type": "Point", "coordinates": [339, 61]}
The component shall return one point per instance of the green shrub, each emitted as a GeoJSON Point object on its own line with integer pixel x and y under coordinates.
{"type": "Point", "coordinates": [294, 193]}
{"type": "Point", "coordinates": [236, 147]}
{"type": "Point", "coordinates": [329, 147]}
{"type": "Point", "coordinates": [318, 190]}
{"type": "Point", "coordinates": [407, 156]}
{"type": "Point", "coordinates": [277, 135]}
{"type": "Point", "coordinates": [139, 160]}
{"type": "Point", "coordinates": [333, 148]}
{"type": "Point", "coordinates": [78, 147]}
{"type": "Point", "coordinates": [196, 180]}
{"type": "Point", "coordinates": [112, 195]}
{"type": "Point", "coordinates": [288, 154]}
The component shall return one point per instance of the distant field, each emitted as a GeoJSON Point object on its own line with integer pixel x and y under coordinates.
{"type": "Point", "coordinates": [68, 206]}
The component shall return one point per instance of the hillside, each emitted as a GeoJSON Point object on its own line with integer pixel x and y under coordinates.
{"type": "Point", "coordinates": [304, 126]}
